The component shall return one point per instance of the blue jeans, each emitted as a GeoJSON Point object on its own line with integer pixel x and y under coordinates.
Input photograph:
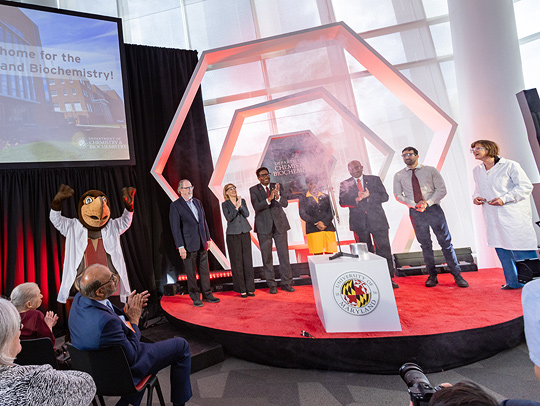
{"type": "Point", "coordinates": [434, 217]}
{"type": "Point", "coordinates": [508, 260]}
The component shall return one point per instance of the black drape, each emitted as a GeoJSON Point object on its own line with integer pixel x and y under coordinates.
{"type": "Point", "coordinates": [31, 248]}
{"type": "Point", "coordinates": [157, 80]}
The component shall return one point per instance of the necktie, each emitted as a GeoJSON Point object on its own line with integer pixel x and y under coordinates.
{"type": "Point", "coordinates": [359, 184]}
{"type": "Point", "coordinates": [267, 191]}
{"type": "Point", "coordinates": [416, 187]}
{"type": "Point", "coordinates": [126, 322]}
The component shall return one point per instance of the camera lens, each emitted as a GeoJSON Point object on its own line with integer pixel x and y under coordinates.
{"type": "Point", "coordinates": [412, 374]}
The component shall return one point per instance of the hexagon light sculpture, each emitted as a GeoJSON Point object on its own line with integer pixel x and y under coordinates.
{"type": "Point", "coordinates": [242, 114]}
{"type": "Point", "coordinates": [424, 108]}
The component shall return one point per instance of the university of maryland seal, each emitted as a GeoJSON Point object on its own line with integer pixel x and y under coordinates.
{"type": "Point", "coordinates": [356, 293]}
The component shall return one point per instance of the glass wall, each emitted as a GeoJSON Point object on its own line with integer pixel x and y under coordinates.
{"type": "Point", "coordinates": [413, 35]}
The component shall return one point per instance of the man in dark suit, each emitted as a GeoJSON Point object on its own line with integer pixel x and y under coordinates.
{"type": "Point", "coordinates": [364, 195]}
{"type": "Point", "coordinates": [94, 323]}
{"type": "Point", "coordinates": [192, 237]}
{"type": "Point", "coordinates": [271, 223]}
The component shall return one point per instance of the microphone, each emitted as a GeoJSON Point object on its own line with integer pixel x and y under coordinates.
{"type": "Point", "coordinates": [304, 333]}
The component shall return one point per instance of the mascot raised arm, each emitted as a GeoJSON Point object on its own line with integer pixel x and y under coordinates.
{"type": "Point", "coordinates": [93, 237]}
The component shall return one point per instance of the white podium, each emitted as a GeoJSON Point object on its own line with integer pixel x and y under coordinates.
{"type": "Point", "coordinates": [354, 294]}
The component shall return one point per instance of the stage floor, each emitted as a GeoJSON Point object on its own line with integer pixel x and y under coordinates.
{"type": "Point", "coordinates": [442, 327]}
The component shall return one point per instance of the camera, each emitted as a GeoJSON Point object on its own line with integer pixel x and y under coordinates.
{"type": "Point", "coordinates": [418, 385]}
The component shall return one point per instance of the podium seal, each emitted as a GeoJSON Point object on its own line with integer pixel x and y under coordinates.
{"type": "Point", "coordinates": [356, 293]}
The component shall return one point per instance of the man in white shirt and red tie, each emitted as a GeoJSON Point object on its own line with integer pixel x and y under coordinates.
{"type": "Point", "coordinates": [271, 223]}
{"type": "Point", "coordinates": [364, 196]}
{"type": "Point", "coordinates": [421, 188]}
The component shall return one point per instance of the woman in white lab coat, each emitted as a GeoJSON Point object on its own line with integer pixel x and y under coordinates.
{"type": "Point", "coordinates": [503, 189]}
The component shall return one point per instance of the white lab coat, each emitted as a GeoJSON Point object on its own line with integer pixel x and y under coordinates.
{"type": "Point", "coordinates": [76, 242]}
{"type": "Point", "coordinates": [508, 226]}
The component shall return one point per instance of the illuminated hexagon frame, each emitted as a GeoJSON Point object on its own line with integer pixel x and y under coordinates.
{"type": "Point", "coordinates": [424, 108]}
{"type": "Point", "coordinates": [242, 114]}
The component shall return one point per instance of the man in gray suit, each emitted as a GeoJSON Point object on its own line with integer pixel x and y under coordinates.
{"type": "Point", "coordinates": [271, 223]}
{"type": "Point", "coordinates": [192, 238]}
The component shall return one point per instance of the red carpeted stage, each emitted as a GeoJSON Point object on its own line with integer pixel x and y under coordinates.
{"type": "Point", "coordinates": [442, 327]}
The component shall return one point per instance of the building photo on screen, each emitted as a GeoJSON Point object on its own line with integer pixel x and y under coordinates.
{"type": "Point", "coordinates": [62, 97]}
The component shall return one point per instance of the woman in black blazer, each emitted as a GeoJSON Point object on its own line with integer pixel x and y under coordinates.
{"type": "Point", "coordinates": [238, 241]}
{"type": "Point", "coordinates": [316, 211]}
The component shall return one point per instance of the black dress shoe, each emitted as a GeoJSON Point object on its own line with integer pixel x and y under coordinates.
{"type": "Point", "coordinates": [273, 290]}
{"type": "Point", "coordinates": [394, 285]}
{"type": "Point", "coordinates": [251, 294]}
{"type": "Point", "coordinates": [197, 303]}
{"type": "Point", "coordinates": [287, 288]}
{"type": "Point", "coordinates": [462, 283]}
{"type": "Point", "coordinates": [506, 287]}
{"type": "Point", "coordinates": [211, 299]}
{"type": "Point", "coordinates": [431, 281]}
{"type": "Point", "coordinates": [244, 295]}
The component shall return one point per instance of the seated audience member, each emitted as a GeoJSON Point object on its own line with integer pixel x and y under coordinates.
{"type": "Point", "coordinates": [470, 394]}
{"type": "Point", "coordinates": [94, 323]}
{"type": "Point", "coordinates": [26, 297]}
{"type": "Point", "coordinates": [35, 384]}
{"type": "Point", "coordinates": [530, 300]}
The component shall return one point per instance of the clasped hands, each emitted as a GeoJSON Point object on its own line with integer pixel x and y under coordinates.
{"type": "Point", "coordinates": [493, 202]}
{"type": "Point", "coordinates": [362, 195]}
{"type": "Point", "coordinates": [320, 225]}
{"type": "Point", "coordinates": [421, 206]}
{"type": "Point", "coordinates": [134, 305]}
{"type": "Point", "coordinates": [274, 194]}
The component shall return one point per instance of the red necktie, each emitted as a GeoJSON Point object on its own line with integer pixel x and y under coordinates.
{"type": "Point", "coordinates": [416, 188]}
{"type": "Point", "coordinates": [267, 191]}
{"type": "Point", "coordinates": [359, 184]}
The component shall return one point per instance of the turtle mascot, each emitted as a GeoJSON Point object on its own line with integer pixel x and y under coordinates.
{"type": "Point", "coordinates": [93, 237]}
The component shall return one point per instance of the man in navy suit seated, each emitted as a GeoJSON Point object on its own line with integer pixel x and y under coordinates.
{"type": "Point", "coordinates": [94, 323]}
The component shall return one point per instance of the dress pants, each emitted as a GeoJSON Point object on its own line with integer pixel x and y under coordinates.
{"type": "Point", "coordinates": [380, 245]}
{"type": "Point", "coordinates": [174, 352]}
{"type": "Point", "coordinates": [239, 246]}
{"type": "Point", "coordinates": [282, 248]}
{"type": "Point", "coordinates": [508, 260]}
{"type": "Point", "coordinates": [434, 217]}
{"type": "Point", "coordinates": [198, 261]}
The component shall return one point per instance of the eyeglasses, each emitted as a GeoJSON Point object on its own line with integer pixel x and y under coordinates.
{"type": "Point", "coordinates": [230, 188]}
{"type": "Point", "coordinates": [262, 175]}
{"type": "Point", "coordinates": [188, 187]}
{"type": "Point", "coordinates": [408, 154]}
{"type": "Point", "coordinates": [113, 278]}
{"type": "Point", "coordinates": [477, 149]}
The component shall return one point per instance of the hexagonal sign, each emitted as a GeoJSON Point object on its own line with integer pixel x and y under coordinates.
{"type": "Point", "coordinates": [416, 101]}
{"type": "Point", "coordinates": [291, 157]}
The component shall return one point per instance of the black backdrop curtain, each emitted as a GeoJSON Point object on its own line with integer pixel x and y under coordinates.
{"type": "Point", "coordinates": [31, 248]}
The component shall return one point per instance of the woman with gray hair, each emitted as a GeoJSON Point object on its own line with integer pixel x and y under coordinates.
{"type": "Point", "coordinates": [26, 297]}
{"type": "Point", "coordinates": [35, 384]}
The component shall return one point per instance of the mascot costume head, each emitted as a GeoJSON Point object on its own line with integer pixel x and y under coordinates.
{"type": "Point", "coordinates": [94, 211]}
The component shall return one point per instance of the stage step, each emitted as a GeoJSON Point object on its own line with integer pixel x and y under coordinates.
{"type": "Point", "coordinates": [412, 263]}
{"type": "Point", "coordinates": [204, 353]}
